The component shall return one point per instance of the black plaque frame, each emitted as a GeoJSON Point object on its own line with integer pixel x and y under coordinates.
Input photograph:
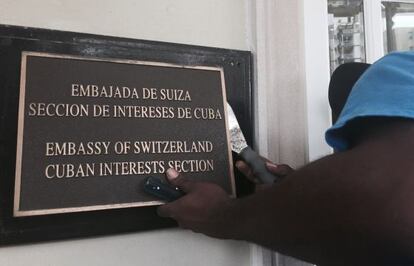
{"type": "Point", "coordinates": [237, 67]}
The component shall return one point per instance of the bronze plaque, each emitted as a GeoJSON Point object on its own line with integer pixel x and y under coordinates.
{"type": "Point", "coordinates": [91, 130]}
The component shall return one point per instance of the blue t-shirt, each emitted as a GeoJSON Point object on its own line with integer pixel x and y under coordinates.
{"type": "Point", "coordinates": [385, 89]}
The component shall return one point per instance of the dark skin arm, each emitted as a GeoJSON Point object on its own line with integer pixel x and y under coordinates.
{"type": "Point", "coordinates": [350, 208]}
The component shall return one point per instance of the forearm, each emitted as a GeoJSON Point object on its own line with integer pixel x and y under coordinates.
{"type": "Point", "coordinates": [326, 212]}
{"type": "Point", "coordinates": [352, 208]}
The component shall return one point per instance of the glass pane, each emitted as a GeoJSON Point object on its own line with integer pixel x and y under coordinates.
{"type": "Point", "coordinates": [346, 32]}
{"type": "Point", "coordinates": [398, 21]}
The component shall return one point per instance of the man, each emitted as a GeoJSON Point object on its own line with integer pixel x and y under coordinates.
{"type": "Point", "coordinates": [354, 207]}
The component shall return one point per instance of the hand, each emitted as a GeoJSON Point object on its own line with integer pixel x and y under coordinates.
{"type": "Point", "coordinates": [280, 171]}
{"type": "Point", "coordinates": [204, 208]}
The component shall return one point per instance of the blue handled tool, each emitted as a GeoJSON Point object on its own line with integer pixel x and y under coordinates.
{"type": "Point", "coordinates": [156, 187]}
{"type": "Point", "coordinates": [239, 146]}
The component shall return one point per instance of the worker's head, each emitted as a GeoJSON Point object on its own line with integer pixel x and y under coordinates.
{"type": "Point", "coordinates": [342, 81]}
{"type": "Point", "coordinates": [383, 90]}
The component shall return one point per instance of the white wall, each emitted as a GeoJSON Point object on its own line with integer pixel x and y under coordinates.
{"type": "Point", "coordinates": [210, 23]}
{"type": "Point", "coordinates": [317, 73]}
{"type": "Point", "coordinates": [277, 39]}
{"type": "Point", "coordinates": [163, 248]}
{"type": "Point", "coordinates": [215, 23]}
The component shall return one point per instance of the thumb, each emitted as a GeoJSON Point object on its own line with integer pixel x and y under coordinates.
{"type": "Point", "coordinates": [179, 181]}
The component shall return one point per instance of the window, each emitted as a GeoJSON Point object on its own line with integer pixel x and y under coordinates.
{"type": "Point", "coordinates": [398, 26]}
{"type": "Point", "coordinates": [346, 32]}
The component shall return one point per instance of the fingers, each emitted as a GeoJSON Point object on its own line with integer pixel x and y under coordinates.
{"type": "Point", "coordinates": [246, 171]}
{"type": "Point", "coordinates": [279, 170]}
{"type": "Point", "coordinates": [179, 181]}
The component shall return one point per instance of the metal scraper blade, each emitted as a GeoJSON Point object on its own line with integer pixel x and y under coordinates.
{"type": "Point", "coordinates": [237, 140]}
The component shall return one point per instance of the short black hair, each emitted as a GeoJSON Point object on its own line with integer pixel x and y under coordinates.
{"type": "Point", "coordinates": [342, 81]}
